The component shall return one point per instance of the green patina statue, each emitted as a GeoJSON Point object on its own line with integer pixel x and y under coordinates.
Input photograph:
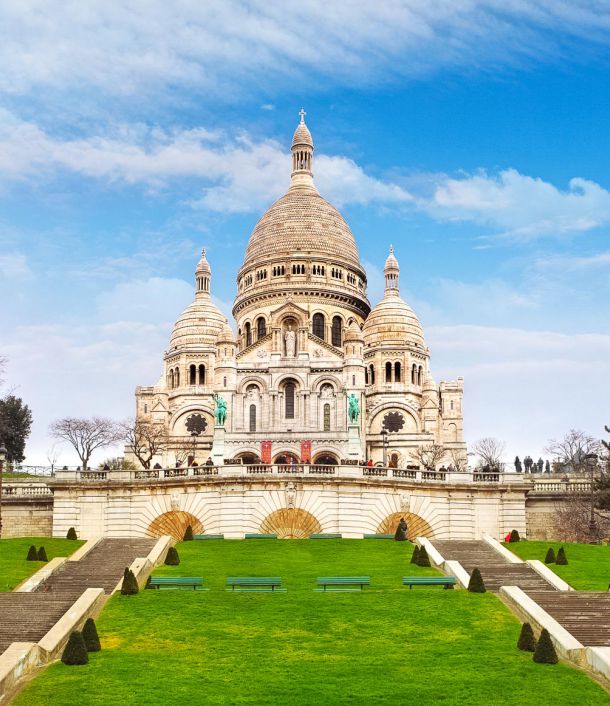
{"type": "Point", "coordinates": [354, 408]}
{"type": "Point", "coordinates": [221, 410]}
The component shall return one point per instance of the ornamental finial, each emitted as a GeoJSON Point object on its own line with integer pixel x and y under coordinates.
{"type": "Point", "coordinates": [302, 113]}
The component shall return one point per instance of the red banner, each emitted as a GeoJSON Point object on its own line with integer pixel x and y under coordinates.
{"type": "Point", "coordinates": [305, 451]}
{"type": "Point", "coordinates": [265, 452]}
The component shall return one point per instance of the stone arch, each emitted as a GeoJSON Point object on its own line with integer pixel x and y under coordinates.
{"type": "Point", "coordinates": [252, 380]}
{"type": "Point", "coordinates": [326, 458]}
{"type": "Point", "coordinates": [410, 416]}
{"type": "Point", "coordinates": [291, 523]}
{"type": "Point", "coordinates": [174, 523]}
{"type": "Point", "coordinates": [326, 380]}
{"type": "Point", "coordinates": [178, 420]}
{"type": "Point", "coordinates": [416, 525]}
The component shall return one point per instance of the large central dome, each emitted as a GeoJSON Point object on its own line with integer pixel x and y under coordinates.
{"type": "Point", "coordinates": [302, 223]}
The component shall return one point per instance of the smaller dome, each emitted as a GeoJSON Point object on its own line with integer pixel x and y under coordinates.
{"type": "Point", "coordinates": [226, 335]}
{"type": "Point", "coordinates": [198, 325]}
{"type": "Point", "coordinates": [353, 333]}
{"type": "Point", "coordinates": [430, 385]}
{"type": "Point", "coordinates": [203, 267]}
{"type": "Point", "coordinates": [393, 322]}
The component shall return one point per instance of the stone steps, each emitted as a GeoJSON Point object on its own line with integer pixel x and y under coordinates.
{"type": "Point", "coordinates": [584, 614]}
{"type": "Point", "coordinates": [29, 616]}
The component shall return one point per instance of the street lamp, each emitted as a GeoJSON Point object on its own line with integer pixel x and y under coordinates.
{"type": "Point", "coordinates": [591, 461]}
{"type": "Point", "coordinates": [2, 460]}
{"type": "Point", "coordinates": [384, 436]}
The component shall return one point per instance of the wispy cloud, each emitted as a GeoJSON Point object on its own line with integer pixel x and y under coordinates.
{"type": "Point", "coordinates": [124, 47]}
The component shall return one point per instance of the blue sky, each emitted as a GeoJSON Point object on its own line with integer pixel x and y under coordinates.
{"type": "Point", "coordinates": [471, 135]}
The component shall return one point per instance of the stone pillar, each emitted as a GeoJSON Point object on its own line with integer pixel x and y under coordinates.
{"type": "Point", "coordinates": [354, 446]}
{"type": "Point", "coordinates": [218, 446]}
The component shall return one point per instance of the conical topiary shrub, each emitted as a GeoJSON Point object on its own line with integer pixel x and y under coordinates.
{"type": "Point", "coordinates": [76, 650]}
{"type": "Point", "coordinates": [32, 554]}
{"type": "Point", "coordinates": [90, 636]}
{"type": "Point", "coordinates": [129, 587]}
{"type": "Point", "coordinates": [42, 554]}
{"type": "Point", "coordinates": [545, 650]}
{"type": "Point", "coordinates": [172, 558]}
{"type": "Point", "coordinates": [550, 556]}
{"type": "Point", "coordinates": [422, 557]}
{"type": "Point", "coordinates": [188, 534]}
{"type": "Point", "coordinates": [71, 534]}
{"type": "Point", "coordinates": [415, 555]}
{"type": "Point", "coordinates": [527, 641]}
{"type": "Point", "coordinates": [562, 559]}
{"type": "Point", "coordinates": [476, 584]}
{"type": "Point", "coordinates": [514, 536]}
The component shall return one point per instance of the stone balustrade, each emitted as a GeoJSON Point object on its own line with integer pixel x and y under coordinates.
{"type": "Point", "coordinates": [16, 490]}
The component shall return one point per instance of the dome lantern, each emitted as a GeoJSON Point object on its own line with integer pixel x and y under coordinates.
{"type": "Point", "coordinates": [302, 150]}
{"type": "Point", "coordinates": [391, 272]}
{"type": "Point", "coordinates": [203, 275]}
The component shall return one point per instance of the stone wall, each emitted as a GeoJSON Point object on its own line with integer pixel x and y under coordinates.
{"type": "Point", "coordinates": [27, 516]}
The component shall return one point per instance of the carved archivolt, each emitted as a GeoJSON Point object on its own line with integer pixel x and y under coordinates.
{"type": "Point", "coordinates": [291, 523]}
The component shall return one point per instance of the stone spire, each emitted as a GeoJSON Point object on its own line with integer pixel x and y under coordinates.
{"type": "Point", "coordinates": [391, 272]}
{"type": "Point", "coordinates": [302, 152]}
{"type": "Point", "coordinates": [203, 276]}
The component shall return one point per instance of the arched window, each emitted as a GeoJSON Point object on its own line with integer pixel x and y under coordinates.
{"type": "Point", "coordinates": [192, 374]}
{"type": "Point", "coordinates": [372, 374]}
{"type": "Point", "coordinates": [248, 334]}
{"type": "Point", "coordinates": [326, 417]}
{"type": "Point", "coordinates": [336, 331]}
{"type": "Point", "coordinates": [171, 379]}
{"type": "Point", "coordinates": [202, 374]}
{"type": "Point", "coordinates": [177, 377]}
{"type": "Point", "coordinates": [414, 374]}
{"type": "Point", "coordinates": [388, 372]}
{"type": "Point", "coordinates": [318, 325]}
{"type": "Point", "coordinates": [224, 381]}
{"type": "Point", "coordinates": [419, 375]}
{"type": "Point", "coordinates": [366, 376]}
{"type": "Point", "coordinates": [252, 417]}
{"type": "Point", "coordinates": [289, 400]}
{"type": "Point", "coordinates": [261, 328]}
{"type": "Point", "coordinates": [397, 372]}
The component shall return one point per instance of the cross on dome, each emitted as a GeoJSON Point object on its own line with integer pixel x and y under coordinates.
{"type": "Point", "coordinates": [302, 113]}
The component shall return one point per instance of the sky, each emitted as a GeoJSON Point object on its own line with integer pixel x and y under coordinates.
{"type": "Point", "coordinates": [473, 136]}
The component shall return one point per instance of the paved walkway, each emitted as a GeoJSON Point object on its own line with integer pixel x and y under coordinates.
{"type": "Point", "coordinates": [27, 617]}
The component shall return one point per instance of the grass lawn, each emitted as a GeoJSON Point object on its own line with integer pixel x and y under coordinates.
{"type": "Point", "coordinates": [384, 645]}
{"type": "Point", "coordinates": [13, 566]}
{"type": "Point", "coordinates": [588, 566]}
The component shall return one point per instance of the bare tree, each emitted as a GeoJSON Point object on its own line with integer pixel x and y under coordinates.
{"type": "Point", "coordinates": [572, 451]}
{"type": "Point", "coordinates": [53, 454]}
{"type": "Point", "coordinates": [86, 435]}
{"type": "Point", "coordinates": [489, 451]}
{"type": "Point", "coordinates": [576, 521]}
{"type": "Point", "coordinates": [145, 439]}
{"type": "Point", "coordinates": [3, 363]}
{"type": "Point", "coordinates": [459, 460]}
{"type": "Point", "coordinates": [429, 455]}
{"type": "Point", "coordinates": [185, 448]}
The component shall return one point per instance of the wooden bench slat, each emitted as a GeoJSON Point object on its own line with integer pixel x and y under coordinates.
{"type": "Point", "coordinates": [254, 581]}
{"type": "Point", "coordinates": [328, 535]}
{"type": "Point", "coordinates": [251, 535]}
{"type": "Point", "coordinates": [361, 581]}
{"type": "Point", "coordinates": [378, 536]}
{"type": "Point", "coordinates": [179, 581]}
{"type": "Point", "coordinates": [446, 581]}
{"type": "Point", "coordinates": [208, 536]}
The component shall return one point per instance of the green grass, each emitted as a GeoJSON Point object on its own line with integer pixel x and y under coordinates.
{"type": "Point", "coordinates": [384, 645]}
{"type": "Point", "coordinates": [588, 567]}
{"type": "Point", "coordinates": [13, 566]}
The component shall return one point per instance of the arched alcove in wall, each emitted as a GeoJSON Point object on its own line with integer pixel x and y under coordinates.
{"type": "Point", "coordinates": [174, 523]}
{"type": "Point", "coordinates": [416, 525]}
{"type": "Point", "coordinates": [291, 523]}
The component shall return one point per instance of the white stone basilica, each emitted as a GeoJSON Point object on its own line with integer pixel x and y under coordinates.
{"type": "Point", "coordinates": [307, 339]}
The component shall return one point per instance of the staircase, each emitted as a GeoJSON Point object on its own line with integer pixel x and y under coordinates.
{"type": "Point", "coordinates": [27, 617]}
{"type": "Point", "coordinates": [584, 614]}
{"type": "Point", "coordinates": [495, 569]}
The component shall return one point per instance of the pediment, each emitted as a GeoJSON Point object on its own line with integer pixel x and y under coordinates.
{"type": "Point", "coordinates": [287, 309]}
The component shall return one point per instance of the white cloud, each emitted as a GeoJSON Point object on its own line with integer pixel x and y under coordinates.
{"type": "Point", "coordinates": [238, 175]}
{"type": "Point", "coordinates": [519, 205]}
{"type": "Point", "coordinates": [525, 387]}
{"type": "Point", "coordinates": [574, 263]}
{"type": "Point", "coordinates": [127, 47]}
{"type": "Point", "coordinates": [14, 266]}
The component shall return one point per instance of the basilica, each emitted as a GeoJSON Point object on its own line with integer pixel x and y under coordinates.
{"type": "Point", "coordinates": [310, 373]}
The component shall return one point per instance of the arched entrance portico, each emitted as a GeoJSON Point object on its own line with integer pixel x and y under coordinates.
{"type": "Point", "coordinates": [325, 459]}
{"type": "Point", "coordinates": [291, 523]}
{"type": "Point", "coordinates": [248, 457]}
{"type": "Point", "coordinates": [416, 525]}
{"type": "Point", "coordinates": [174, 523]}
{"type": "Point", "coordinates": [286, 457]}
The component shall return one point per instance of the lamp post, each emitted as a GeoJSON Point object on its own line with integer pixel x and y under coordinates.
{"type": "Point", "coordinates": [591, 461]}
{"type": "Point", "coordinates": [384, 436]}
{"type": "Point", "coordinates": [2, 459]}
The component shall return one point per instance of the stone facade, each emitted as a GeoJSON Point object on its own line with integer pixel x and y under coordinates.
{"type": "Point", "coordinates": [306, 338]}
{"type": "Point", "coordinates": [24, 516]}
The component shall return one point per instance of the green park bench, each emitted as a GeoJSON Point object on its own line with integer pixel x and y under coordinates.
{"type": "Point", "coordinates": [255, 583]}
{"type": "Point", "coordinates": [208, 536]}
{"type": "Point", "coordinates": [329, 535]}
{"type": "Point", "coordinates": [178, 582]}
{"type": "Point", "coordinates": [446, 581]}
{"type": "Point", "coordinates": [252, 535]}
{"type": "Point", "coordinates": [341, 582]}
{"type": "Point", "coordinates": [378, 536]}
